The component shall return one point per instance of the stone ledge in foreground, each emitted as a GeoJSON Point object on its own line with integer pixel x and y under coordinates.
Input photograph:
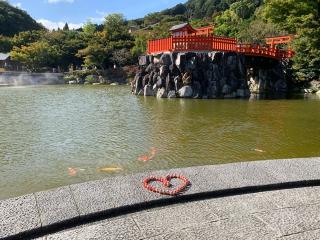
{"type": "Point", "coordinates": [38, 212]}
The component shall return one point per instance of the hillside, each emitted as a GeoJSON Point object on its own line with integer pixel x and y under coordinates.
{"type": "Point", "coordinates": [250, 21]}
{"type": "Point", "coordinates": [14, 20]}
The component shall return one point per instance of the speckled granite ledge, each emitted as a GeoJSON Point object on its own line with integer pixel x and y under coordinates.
{"type": "Point", "coordinates": [71, 205]}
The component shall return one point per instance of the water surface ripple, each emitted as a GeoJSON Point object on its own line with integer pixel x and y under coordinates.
{"type": "Point", "coordinates": [45, 130]}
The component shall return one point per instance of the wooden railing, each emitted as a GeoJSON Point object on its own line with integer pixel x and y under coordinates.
{"type": "Point", "coordinates": [257, 50]}
{"type": "Point", "coordinates": [224, 44]}
{"type": "Point", "coordinates": [214, 43]}
{"type": "Point", "coordinates": [160, 45]}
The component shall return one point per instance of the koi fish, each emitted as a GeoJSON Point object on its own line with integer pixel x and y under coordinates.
{"type": "Point", "coordinates": [259, 150]}
{"type": "Point", "coordinates": [145, 158]}
{"type": "Point", "coordinates": [72, 172]}
{"type": "Point", "coordinates": [109, 169]}
{"type": "Point", "coordinates": [154, 151]}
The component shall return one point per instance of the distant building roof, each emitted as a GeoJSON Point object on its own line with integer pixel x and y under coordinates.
{"type": "Point", "coordinates": [179, 26]}
{"type": "Point", "coordinates": [4, 56]}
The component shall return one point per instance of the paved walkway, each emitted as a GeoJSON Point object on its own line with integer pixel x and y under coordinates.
{"type": "Point", "coordinates": [283, 214]}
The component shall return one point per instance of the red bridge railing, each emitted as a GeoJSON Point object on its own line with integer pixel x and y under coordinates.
{"type": "Point", "coordinates": [214, 43]}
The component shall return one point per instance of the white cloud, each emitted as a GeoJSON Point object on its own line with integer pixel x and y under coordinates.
{"type": "Point", "coordinates": [55, 25]}
{"type": "Point", "coordinates": [99, 19]}
{"type": "Point", "coordinates": [101, 13]}
{"type": "Point", "coordinates": [96, 19]}
{"type": "Point", "coordinates": [17, 5]}
{"type": "Point", "coordinates": [58, 1]}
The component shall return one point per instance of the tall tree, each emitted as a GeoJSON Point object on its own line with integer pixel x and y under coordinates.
{"type": "Point", "coordinates": [302, 19]}
{"type": "Point", "coordinates": [36, 55]}
{"type": "Point", "coordinates": [66, 27]}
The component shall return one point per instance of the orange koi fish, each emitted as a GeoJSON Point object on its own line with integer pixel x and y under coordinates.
{"type": "Point", "coordinates": [72, 172]}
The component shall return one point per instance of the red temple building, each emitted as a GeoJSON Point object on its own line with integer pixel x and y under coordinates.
{"type": "Point", "coordinates": [186, 38]}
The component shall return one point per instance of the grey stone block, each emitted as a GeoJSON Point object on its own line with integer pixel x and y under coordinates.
{"type": "Point", "coordinates": [292, 170]}
{"type": "Point", "coordinates": [308, 235]}
{"type": "Point", "coordinates": [107, 194]}
{"type": "Point", "coordinates": [245, 174]}
{"type": "Point", "coordinates": [173, 218]}
{"type": "Point", "coordinates": [292, 220]}
{"type": "Point", "coordinates": [56, 206]}
{"type": "Point", "coordinates": [240, 227]}
{"type": "Point", "coordinates": [120, 228]}
{"type": "Point", "coordinates": [294, 197]}
{"type": "Point", "coordinates": [18, 215]}
{"type": "Point", "coordinates": [247, 204]}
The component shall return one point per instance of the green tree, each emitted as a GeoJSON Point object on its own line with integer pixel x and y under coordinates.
{"type": "Point", "coordinates": [140, 44]}
{"type": "Point", "coordinates": [66, 27]}
{"type": "Point", "coordinates": [27, 37]}
{"type": "Point", "coordinates": [89, 28]}
{"type": "Point", "coordinates": [116, 27]}
{"type": "Point", "coordinates": [68, 43]}
{"type": "Point", "coordinates": [291, 15]}
{"type": "Point", "coordinates": [36, 56]}
{"type": "Point", "coordinates": [5, 44]}
{"type": "Point", "coordinates": [97, 53]}
{"type": "Point", "coordinates": [121, 57]}
{"type": "Point", "coordinates": [300, 18]}
{"type": "Point", "coordinates": [237, 18]}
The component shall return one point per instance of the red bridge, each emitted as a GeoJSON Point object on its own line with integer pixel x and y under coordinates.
{"type": "Point", "coordinates": [185, 38]}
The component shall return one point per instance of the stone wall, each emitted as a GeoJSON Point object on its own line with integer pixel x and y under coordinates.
{"type": "Point", "coordinates": [208, 75]}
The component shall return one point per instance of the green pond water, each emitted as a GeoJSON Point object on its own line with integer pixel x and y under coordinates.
{"type": "Point", "coordinates": [45, 130]}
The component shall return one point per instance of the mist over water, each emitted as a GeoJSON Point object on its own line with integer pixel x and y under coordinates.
{"type": "Point", "coordinates": [25, 78]}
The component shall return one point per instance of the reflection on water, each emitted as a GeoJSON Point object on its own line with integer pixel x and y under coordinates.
{"type": "Point", "coordinates": [45, 131]}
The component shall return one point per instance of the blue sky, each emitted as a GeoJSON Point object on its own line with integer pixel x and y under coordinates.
{"type": "Point", "coordinates": [54, 13]}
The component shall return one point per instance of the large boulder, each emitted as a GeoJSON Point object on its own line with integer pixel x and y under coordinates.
{"type": "Point", "coordinates": [141, 92]}
{"type": "Point", "coordinates": [185, 92]}
{"type": "Point", "coordinates": [226, 89]}
{"type": "Point", "coordinates": [315, 86]}
{"type": "Point", "coordinates": [164, 71]}
{"type": "Point", "coordinates": [160, 82]}
{"type": "Point", "coordinates": [138, 83]}
{"type": "Point", "coordinates": [172, 94]}
{"type": "Point", "coordinates": [170, 83]}
{"type": "Point", "coordinates": [196, 90]}
{"type": "Point", "coordinates": [165, 59]}
{"type": "Point", "coordinates": [145, 80]}
{"type": "Point", "coordinates": [178, 83]}
{"type": "Point", "coordinates": [148, 91]}
{"type": "Point", "coordinates": [187, 78]}
{"type": "Point", "coordinates": [181, 61]}
{"type": "Point", "coordinates": [143, 60]}
{"type": "Point", "coordinates": [242, 93]}
{"type": "Point", "coordinates": [150, 68]}
{"type": "Point", "coordinates": [161, 93]}
{"type": "Point", "coordinates": [280, 86]}
{"type": "Point", "coordinates": [318, 93]}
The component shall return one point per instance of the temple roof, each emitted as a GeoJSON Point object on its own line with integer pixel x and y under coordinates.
{"type": "Point", "coordinates": [179, 26]}
{"type": "Point", "coordinates": [4, 56]}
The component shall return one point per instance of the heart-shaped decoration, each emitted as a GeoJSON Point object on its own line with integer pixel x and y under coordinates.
{"type": "Point", "coordinates": [166, 183]}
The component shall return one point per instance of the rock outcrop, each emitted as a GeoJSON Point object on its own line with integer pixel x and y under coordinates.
{"type": "Point", "coordinates": [208, 75]}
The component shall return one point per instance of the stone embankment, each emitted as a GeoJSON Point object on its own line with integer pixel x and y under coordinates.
{"type": "Point", "coordinates": [208, 75]}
